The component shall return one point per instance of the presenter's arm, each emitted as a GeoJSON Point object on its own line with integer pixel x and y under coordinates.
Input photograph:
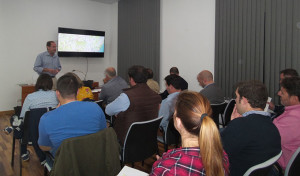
{"type": "Point", "coordinates": [38, 65]}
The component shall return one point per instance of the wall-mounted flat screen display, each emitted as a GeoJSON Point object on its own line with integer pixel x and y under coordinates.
{"type": "Point", "coordinates": [80, 43]}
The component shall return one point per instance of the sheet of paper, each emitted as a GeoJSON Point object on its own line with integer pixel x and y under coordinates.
{"type": "Point", "coordinates": [128, 171]}
{"type": "Point", "coordinates": [96, 90]}
{"type": "Point", "coordinates": [267, 105]}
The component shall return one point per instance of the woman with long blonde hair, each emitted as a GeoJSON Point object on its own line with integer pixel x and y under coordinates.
{"type": "Point", "coordinates": [202, 151]}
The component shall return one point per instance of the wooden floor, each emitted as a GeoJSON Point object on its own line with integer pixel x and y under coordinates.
{"type": "Point", "coordinates": [33, 167]}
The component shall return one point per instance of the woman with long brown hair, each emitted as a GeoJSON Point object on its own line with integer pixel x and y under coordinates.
{"type": "Point", "coordinates": [202, 151]}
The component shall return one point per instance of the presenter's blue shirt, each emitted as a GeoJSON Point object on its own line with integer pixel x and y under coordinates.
{"type": "Point", "coordinates": [45, 60]}
{"type": "Point", "coordinates": [77, 118]}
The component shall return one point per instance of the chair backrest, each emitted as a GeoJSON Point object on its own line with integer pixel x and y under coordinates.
{"type": "Point", "coordinates": [293, 166]}
{"type": "Point", "coordinates": [34, 120]}
{"type": "Point", "coordinates": [172, 136]}
{"type": "Point", "coordinates": [262, 168]}
{"type": "Point", "coordinates": [93, 154]}
{"type": "Point", "coordinates": [140, 141]}
{"type": "Point", "coordinates": [228, 111]}
{"type": "Point", "coordinates": [217, 109]}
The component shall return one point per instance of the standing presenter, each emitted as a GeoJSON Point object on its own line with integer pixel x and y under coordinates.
{"type": "Point", "coordinates": [48, 62]}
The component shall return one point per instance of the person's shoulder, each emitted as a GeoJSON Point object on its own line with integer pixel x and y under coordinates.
{"type": "Point", "coordinates": [237, 123]}
{"type": "Point", "coordinates": [42, 54]}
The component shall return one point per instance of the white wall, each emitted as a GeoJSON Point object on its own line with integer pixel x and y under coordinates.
{"type": "Point", "coordinates": [25, 26]}
{"type": "Point", "coordinates": [187, 38]}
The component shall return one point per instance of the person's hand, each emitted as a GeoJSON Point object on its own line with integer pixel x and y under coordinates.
{"type": "Point", "coordinates": [157, 157]}
{"type": "Point", "coordinates": [52, 71]}
{"type": "Point", "coordinates": [235, 114]}
{"type": "Point", "coordinates": [271, 106]}
{"type": "Point", "coordinates": [105, 80]}
{"type": "Point", "coordinates": [56, 71]}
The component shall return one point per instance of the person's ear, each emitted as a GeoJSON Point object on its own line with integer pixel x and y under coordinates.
{"type": "Point", "coordinates": [177, 123]}
{"type": "Point", "coordinates": [57, 94]}
{"type": "Point", "coordinates": [244, 100]}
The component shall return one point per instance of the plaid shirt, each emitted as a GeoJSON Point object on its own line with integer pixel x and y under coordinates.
{"type": "Point", "coordinates": [182, 161]}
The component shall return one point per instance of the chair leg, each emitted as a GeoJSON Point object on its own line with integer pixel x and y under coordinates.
{"type": "Point", "coordinates": [132, 164]}
{"type": "Point", "coordinates": [20, 158]}
{"type": "Point", "coordinates": [223, 123]}
{"type": "Point", "coordinates": [45, 171]}
{"type": "Point", "coordinates": [13, 152]}
{"type": "Point", "coordinates": [166, 147]}
{"type": "Point", "coordinates": [143, 163]}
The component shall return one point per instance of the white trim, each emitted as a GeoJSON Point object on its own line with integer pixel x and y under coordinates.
{"type": "Point", "coordinates": [137, 123]}
{"type": "Point", "coordinates": [264, 164]}
{"type": "Point", "coordinates": [287, 169]}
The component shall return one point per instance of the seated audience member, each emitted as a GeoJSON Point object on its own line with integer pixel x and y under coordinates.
{"type": "Point", "coordinates": [168, 105]}
{"type": "Point", "coordinates": [71, 119]}
{"type": "Point", "coordinates": [201, 152]}
{"type": "Point", "coordinates": [113, 86]}
{"type": "Point", "coordinates": [43, 97]}
{"type": "Point", "coordinates": [183, 84]}
{"type": "Point", "coordinates": [286, 73]}
{"type": "Point", "coordinates": [288, 123]}
{"type": "Point", "coordinates": [250, 138]}
{"type": "Point", "coordinates": [84, 93]}
{"type": "Point", "coordinates": [151, 82]}
{"type": "Point", "coordinates": [138, 103]}
{"type": "Point", "coordinates": [210, 89]}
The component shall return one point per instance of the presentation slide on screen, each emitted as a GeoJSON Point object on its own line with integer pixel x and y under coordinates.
{"type": "Point", "coordinates": [80, 43]}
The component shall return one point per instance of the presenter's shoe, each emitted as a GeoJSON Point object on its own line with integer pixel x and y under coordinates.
{"type": "Point", "coordinates": [25, 157]}
{"type": "Point", "coordinates": [8, 130]}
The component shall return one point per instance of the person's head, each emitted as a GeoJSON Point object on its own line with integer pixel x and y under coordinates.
{"type": "Point", "coordinates": [174, 70]}
{"type": "Point", "coordinates": [51, 47]}
{"type": "Point", "coordinates": [110, 73]}
{"type": "Point", "coordinates": [137, 74]}
{"type": "Point", "coordinates": [191, 119]}
{"type": "Point", "coordinates": [290, 91]}
{"type": "Point", "coordinates": [44, 82]}
{"type": "Point", "coordinates": [173, 83]}
{"type": "Point", "coordinates": [149, 73]}
{"type": "Point", "coordinates": [250, 95]}
{"type": "Point", "coordinates": [287, 73]}
{"type": "Point", "coordinates": [67, 87]}
{"type": "Point", "coordinates": [205, 77]}
{"type": "Point", "coordinates": [80, 83]}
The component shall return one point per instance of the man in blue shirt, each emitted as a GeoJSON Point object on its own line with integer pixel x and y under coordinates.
{"type": "Point", "coordinates": [48, 62]}
{"type": "Point", "coordinates": [167, 106]}
{"type": "Point", "coordinates": [73, 118]}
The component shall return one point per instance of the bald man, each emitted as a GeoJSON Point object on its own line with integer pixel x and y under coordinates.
{"type": "Point", "coordinates": [210, 90]}
{"type": "Point", "coordinates": [113, 86]}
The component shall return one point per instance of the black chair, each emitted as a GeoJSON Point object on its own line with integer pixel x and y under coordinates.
{"type": "Point", "coordinates": [109, 119]}
{"type": "Point", "coordinates": [30, 132]}
{"type": "Point", "coordinates": [171, 136]}
{"type": "Point", "coordinates": [293, 166]}
{"type": "Point", "coordinates": [228, 111]}
{"type": "Point", "coordinates": [264, 168]}
{"type": "Point", "coordinates": [22, 140]}
{"type": "Point", "coordinates": [217, 110]}
{"type": "Point", "coordinates": [140, 141]}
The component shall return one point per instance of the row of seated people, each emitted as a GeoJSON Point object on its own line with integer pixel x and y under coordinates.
{"type": "Point", "coordinates": [250, 97]}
